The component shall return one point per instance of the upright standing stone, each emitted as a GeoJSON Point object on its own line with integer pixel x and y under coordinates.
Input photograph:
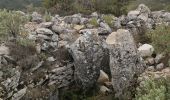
{"type": "Point", "coordinates": [125, 63]}
{"type": "Point", "coordinates": [87, 54]}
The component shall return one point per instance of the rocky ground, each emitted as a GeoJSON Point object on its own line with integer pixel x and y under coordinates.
{"type": "Point", "coordinates": [70, 53]}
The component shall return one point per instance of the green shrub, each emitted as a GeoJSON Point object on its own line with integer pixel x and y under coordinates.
{"type": "Point", "coordinates": [11, 23]}
{"type": "Point", "coordinates": [108, 19]}
{"type": "Point", "coordinates": [160, 38]}
{"type": "Point", "coordinates": [152, 90]}
{"type": "Point", "coordinates": [93, 21]}
{"type": "Point", "coordinates": [25, 42]}
{"type": "Point", "coordinates": [47, 17]}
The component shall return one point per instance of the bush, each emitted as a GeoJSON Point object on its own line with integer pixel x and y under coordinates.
{"type": "Point", "coordinates": [160, 38]}
{"type": "Point", "coordinates": [11, 23]}
{"type": "Point", "coordinates": [47, 17]}
{"type": "Point", "coordinates": [152, 90]}
{"type": "Point", "coordinates": [93, 21]}
{"type": "Point", "coordinates": [109, 19]}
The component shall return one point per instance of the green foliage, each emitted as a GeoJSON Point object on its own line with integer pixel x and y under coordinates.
{"type": "Point", "coordinates": [25, 42]}
{"type": "Point", "coordinates": [152, 90]}
{"type": "Point", "coordinates": [116, 7]}
{"type": "Point", "coordinates": [11, 23]}
{"type": "Point", "coordinates": [47, 17]}
{"type": "Point", "coordinates": [93, 21]}
{"type": "Point", "coordinates": [154, 6]}
{"type": "Point", "coordinates": [160, 38]}
{"type": "Point", "coordinates": [108, 19]}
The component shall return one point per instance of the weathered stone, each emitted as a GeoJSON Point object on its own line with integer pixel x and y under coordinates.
{"type": "Point", "coordinates": [4, 50]}
{"type": "Point", "coordinates": [103, 77]}
{"type": "Point", "coordinates": [146, 50]}
{"type": "Point", "coordinates": [150, 61]}
{"type": "Point", "coordinates": [159, 58]}
{"type": "Point", "coordinates": [105, 26]}
{"type": "Point", "coordinates": [55, 37]}
{"type": "Point", "coordinates": [104, 90]}
{"type": "Point", "coordinates": [19, 94]}
{"type": "Point", "coordinates": [46, 24]}
{"type": "Point", "coordinates": [87, 54]}
{"type": "Point", "coordinates": [58, 29]}
{"type": "Point", "coordinates": [159, 66]}
{"type": "Point", "coordinates": [62, 76]}
{"type": "Point", "coordinates": [78, 27]}
{"type": "Point", "coordinates": [36, 17]}
{"type": "Point", "coordinates": [151, 68]}
{"type": "Point", "coordinates": [133, 14]}
{"type": "Point", "coordinates": [125, 63]}
{"type": "Point", "coordinates": [44, 31]}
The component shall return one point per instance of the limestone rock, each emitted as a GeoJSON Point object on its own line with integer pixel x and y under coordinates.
{"type": "Point", "coordinates": [103, 77]}
{"type": "Point", "coordinates": [146, 50]}
{"type": "Point", "coordinates": [125, 63]}
{"type": "Point", "coordinates": [44, 31]}
{"type": "Point", "coordinates": [87, 54]}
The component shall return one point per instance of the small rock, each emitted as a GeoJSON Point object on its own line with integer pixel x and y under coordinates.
{"type": "Point", "coordinates": [146, 50]}
{"type": "Point", "coordinates": [55, 37]}
{"type": "Point", "coordinates": [42, 36]}
{"type": "Point", "coordinates": [36, 17]}
{"type": "Point", "coordinates": [50, 59]}
{"type": "Point", "coordinates": [19, 94]}
{"type": "Point", "coordinates": [159, 57]}
{"type": "Point", "coordinates": [106, 26]}
{"type": "Point", "coordinates": [150, 61]}
{"type": "Point", "coordinates": [44, 31]}
{"type": "Point", "coordinates": [160, 66]}
{"type": "Point", "coordinates": [151, 68]}
{"type": "Point", "coordinates": [78, 27]}
{"type": "Point", "coordinates": [4, 50]}
{"type": "Point", "coordinates": [104, 90]}
{"type": "Point", "coordinates": [46, 24]}
{"type": "Point", "coordinates": [58, 29]}
{"type": "Point", "coordinates": [103, 77]}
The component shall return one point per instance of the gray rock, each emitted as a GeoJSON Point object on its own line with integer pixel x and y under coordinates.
{"type": "Point", "coordinates": [62, 76]}
{"type": "Point", "coordinates": [125, 63]}
{"type": "Point", "coordinates": [159, 66]}
{"type": "Point", "coordinates": [55, 37]}
{"type": "Point", "coordinates": [151, 68]}
{"type": "Point", "coordinates": [44, 31]}
{"type": "Point", "coordinates": [166, 17]}
{"type": "Point", "coordinates": [146, 50]}
{"type": "Point", "coordinates": [4, 50]}
{"type": "Point", "coordinates": [105, 26]}
{"type": "Point", "coordinates": [150, 61]}
{"type": "Point", "coordinates": [159, 58]}
{"type": "Point", "coordinates": [46, 24]}
{"type": "Point", "coordinates": [58, 29]}
{"type": "Point", "coordinates": [36, 17]}
{"type": "Point", "coordinates": [87, 54]}
{"type": "Point", "coordinates": [19, 94]}
{"type": "Point", "coordinates": [72, 20]}
{"type": "Point", "coordinates": [133, 14]}
{"type": "Point", "coordinates": [12, 82]}
{"type": "Point", "coordinates": [44, 37]}
{"type": "Point", "coordinates": [51, 59]}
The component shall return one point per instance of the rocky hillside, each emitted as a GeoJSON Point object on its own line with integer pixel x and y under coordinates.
{"type": "Point", "coordinates": [77, 57]}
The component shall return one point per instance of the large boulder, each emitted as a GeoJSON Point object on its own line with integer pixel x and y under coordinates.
{"type": "Point", "coordinates": [87, 54]}
{"type": "Point", "coordinates": [125, 63]}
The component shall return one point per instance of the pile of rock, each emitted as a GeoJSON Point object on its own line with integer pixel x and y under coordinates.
{"type": "Point", "coordinates": [154, 62]}
{"type": "Point", "coordinates": [76, 53]}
